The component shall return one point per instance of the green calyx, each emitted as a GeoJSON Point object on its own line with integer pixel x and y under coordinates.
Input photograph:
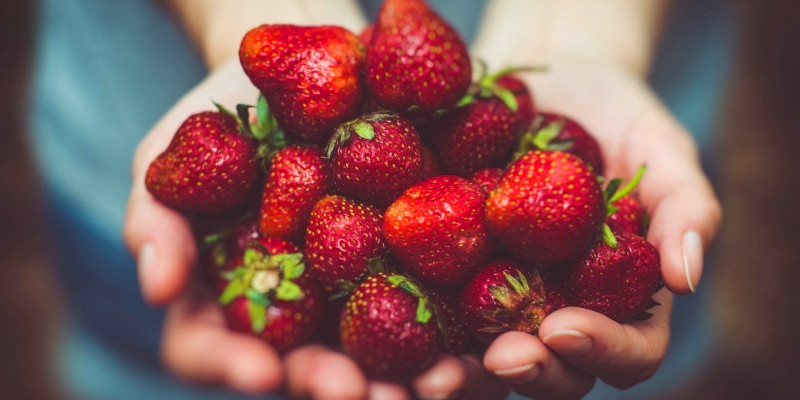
{"type": "Point", "coordinates": [487, 86]}
{"type": "Point", "coordinates": [263, 279]}
{"type": "Point", "coordinates": [613, 193]}
{"type": "Point", "coordinates": [361, 127]}
{"type": "Point", "coordinates": [543, 138]}
{"type": "Point", "coordinates": [265, 129]}
{"type": "Point", "coordinates": [423, 312]}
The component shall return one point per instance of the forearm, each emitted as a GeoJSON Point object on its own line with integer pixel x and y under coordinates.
{"type": "Point", "coordinates": [217, 27]}
{"type": "Point", "coordinates": [618, 32]}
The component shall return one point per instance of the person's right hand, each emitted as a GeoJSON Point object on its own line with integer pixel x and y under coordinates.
{"type": "Point", "coordinates": [196, 344]}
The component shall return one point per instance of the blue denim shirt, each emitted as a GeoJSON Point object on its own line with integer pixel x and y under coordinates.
{"type": "Point", "coordinates": [107, 70]}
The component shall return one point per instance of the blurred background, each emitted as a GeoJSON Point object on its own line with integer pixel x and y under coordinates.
{"type": "Point", "coordinates": [755, 322]}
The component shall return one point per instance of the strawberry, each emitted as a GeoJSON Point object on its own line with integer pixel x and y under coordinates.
{"type": "Point", "coordinates": [375, 157]}
{"type": "Point", "coordinates": [343, 239]}
{"type": "Point", "coordinates": [388, 327]}
{"type": "Point", "coordinates": [430, 164]}
{"type": "Point", "coordinates": [487, 178]}
{"type": "Point", "coordinates": [296, 179]}
{"type": "Point", "coordinates": [616, 281]}
{"type": "Point", "coordinates": [310, 75]}
{"type": "Point", "coordinates": [629, 216]}
{"type": "Point", "coordinates": [480, 134]}
{"type": "Point", "coordinates": [207, 167]}
{"type": "Point", "coordinates": [437, 229]}
{"type": "Point", "coordinates": [270, 297]}
{"type": "Point", "coordinates": [415, 61]}
{"type": "Point", "coordinates": [557, 132]}
{"type": "Point", "coordinates": [366, 34]}
{"type": "Point", "coordinates": [548, 207]}
{"type": "Point", "coordinates": [503, 296]}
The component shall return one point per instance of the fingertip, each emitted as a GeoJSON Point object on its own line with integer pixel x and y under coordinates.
{"type": "Point", "coordinates": [440, 381]}
{"type": "Point", "coordinates": [254, 369]}
{"type": "Point", "coordinates": [335, 376]}
{"type": "Point", "coordinates": [515, 357]}
{"type": "Point", "coordinates": [386, 391]}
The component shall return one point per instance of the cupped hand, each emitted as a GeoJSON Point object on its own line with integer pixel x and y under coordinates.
{"type": "Point", "coordinates": [196, 344]}
{"type": "Point", "coordinates": [576, 346]}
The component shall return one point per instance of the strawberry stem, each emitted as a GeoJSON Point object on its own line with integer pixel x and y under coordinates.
{"type": "Point", "coordinates": [627, 189]}
{"type": "Point", "coordinates": [608, 236]}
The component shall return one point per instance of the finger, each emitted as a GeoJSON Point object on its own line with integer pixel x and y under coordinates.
{"type": "Point", "coordinates": [386, 391]}
{"type": "Point", "coordinates": [685, 213]}
{"type": "Point", "coordinates": [622, 355]}
{"type": "Point", "coordinates": [481, 384]}
{"type": "Point", "coordinates": [198, 347]}
{"type": "Point", "coordinates": [319, 373]}
{"type": "Point", "coordinates": [441, 380]}
{"type": "Point", "coordinates": [531, 369]}
{"type": "Point", "coordinates": [162, 241]}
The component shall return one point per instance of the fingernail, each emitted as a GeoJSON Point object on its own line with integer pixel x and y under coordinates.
{"type": "Point", "coordinates": [570, 343]}
{"type": "Point", "coordinates": [692, 258]}
{"type": "Point", "coordinates": [521, 374]}
{"type": "Point", "coordinates": [146, 260]}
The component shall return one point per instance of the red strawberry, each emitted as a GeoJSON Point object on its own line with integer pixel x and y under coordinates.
{"type": "Point", "coordinates": [548, 208]}
{"type": "Point", "coordinates": [311, 76]}
{"type": "Point", "coordinates": [415, 60]}
{"type": "Point", "coordinates": [437, 230]}
{"type": "Point", "coordinates": [297, 178]}
{"type": "Point", "coordinates": [430, 164]}
{"type": "Point", "coordinates": [481, 134]}
{"type": "Point", "coordinates": [207, 167]}
{"type": "Point", "coordinates": [618, 282]}
{"type": "Point", "coordinates": [375, 157]}
{"type": "Point", "coordinates": [557, 132]}
{"type": "Point", "coordinates": [269, 296]}
{"type": "Point", "coordinates": [342, 239]}
{"type": "Point", "coordinates": [389, 328]}
{"type": "Point", "coordinates": [503, 296]}
{"type": "Point", "coordinates": [487, 178]}
{"type": "Point", "coordinates": [629, 216]}
{"type": "Point", "coordinates": [366, 34]}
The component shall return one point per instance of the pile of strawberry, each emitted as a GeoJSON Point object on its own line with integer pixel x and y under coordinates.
{"type": "Point", "coordinates": [378, 199]}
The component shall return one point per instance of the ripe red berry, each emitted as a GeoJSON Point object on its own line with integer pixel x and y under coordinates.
{"type": "Point", "coordinates": [503, 296]}
{"type": "Point", "coordinates": [388, 327]}
{"type": "Point", "coordinates": [207, 167]}
{"type": "Point", "coordinates": [342, 239]}
{"type": "Point", "coordinates": [487, 178]}
{"type": "Point", "coordinates": [310, 75]}
{"type": "Point", "coordinates": [548, 208]}
{"type": "Point", "coordinates": [437, 230]}
{"type": "Point", "coordinates": [560, 133]}
{"type": "Point", "coordinates": [297, 179]}
{"type": "Point", "coordinates": [415, 60]}
{"type": "Point", "coordinates": [628, 217]}
{"type": "Point", "coordinates": [375, 157]}
{"type": "Point", "coordinates": [618, 282]}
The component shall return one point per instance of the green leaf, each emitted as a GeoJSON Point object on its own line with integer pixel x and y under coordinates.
{"type": "Point", "coordinates": [612, 188]}
{"type": "Point", "coordinates": [256, 297]}
{"type": "Point", "coordinates": [243, 112]}
{"type": "Point", "coordinates": [524, 281]}
{"type": "Point", "coordinates": [225, 110]}
{"type": "Point", "coordinates": [465, 101]}
{"type": "Point", "coordinates": [404, 283]}
{"type": "Point", "coordinates": [630, 186]}
{"type": "Point", "coordinates": [424, 313]}
{"type": "Point", "coordinates": [252, 256]}
{"type": "Point", "coordinates": [288, 291]}
{"type": "Point", "coordinates": [364, 130]}
{"type": "Point", "coordinates": [515, 284]}
{"type": "Point", "coordinates": [293, 271]}
{"type": "Point", "coordinates": [546, 134]}
{"type": "Point", "coordinates": [235, 273]}
{"type": "Point", "coordinates": [234, 289]}
{"type": "Point", "coordinates": [219, 254]}
{"type": "Point", "coordinates": [608, 237]}
{"type": "Point", "coordinates": [507, 97]}
{"type": "Point", "coordinates": [561, 145]}
{"type": "Point", "coordinates": [258, 316]}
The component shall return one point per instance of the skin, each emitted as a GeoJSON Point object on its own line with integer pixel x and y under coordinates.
{"type": "Point", "coordinates": [597, 69]}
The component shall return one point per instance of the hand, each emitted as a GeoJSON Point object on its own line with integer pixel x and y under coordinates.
{"type": "Point", "coordinates": [576, 345]}
{"type": "Point", "coordinates": [196, 344]}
